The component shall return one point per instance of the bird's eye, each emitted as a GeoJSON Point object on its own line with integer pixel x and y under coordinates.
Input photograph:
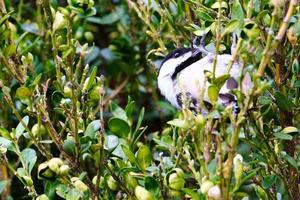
{"type": "Point", "coordinates": [176, 55]}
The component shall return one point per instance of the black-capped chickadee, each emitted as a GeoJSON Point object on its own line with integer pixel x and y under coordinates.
{"type": "Point", "coordinates": [182, 76]}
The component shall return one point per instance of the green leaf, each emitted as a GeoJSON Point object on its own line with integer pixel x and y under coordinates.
{"type": "Point", "coordinates": [213, 93]}
{"type": "Point", "coordinates": [111, 143]}
{"type": "Point", "coordinates": [283, 136]}
{"type": "Point", "coordinates": [5, 17]}
{"type": "Point", "coordinates": [140, 119]}
{"type": "Point", "coordinates": [92, 128]}
{"type": "Point", "coordinates": [130, 109]}
{"type": "Point", "coordinates": [92, 78]}
{"type": "Point", "coordinates": [74, 194]}
{"type": "Point", "coordinates": [212, 166]}
{"type": "Point", "coordinates": [117, 111]}
{"type": "Point", "coordinates": [204, 16]}
{"type": "Point", "coordinates": [231, 26]}
{"type": "Point", "coordinates": [50, 189]}
{"type": "Point", "coordinates": [128, 153]}
{"type": "Point", "coordinates": [290, 129]}
{"type": "Point", "coordinates": [118, 126]}
{"type": "Point", "coordinates": [62, 190]}
{"type": "Point", "coordinates": [180, 123]}
{"type": "Point", "coordinates": [4, 133]}
{"type": "Point", "coordinates": [29, 157]}
{"type": "Point", "coordinates": [144, 157]}
{"type": "Point", "coordinates": [291, 161]}
{"type": "Point", "coordinates": [20, 128]}
{"type": "Point", "coordinates": [110, 18]}
{"type": "Point", "coordinates": [283, 102]}
{"type": "Point", "coordinates": [151, 185]}
{"type": "Point", "coordinates": [222, 79]}
{"type": "Point", "coordinates": [269, 181]}
{"type": "Point", "coordinates": [237, 12]}
{"type": "Point", "coordinates": [7, 144]}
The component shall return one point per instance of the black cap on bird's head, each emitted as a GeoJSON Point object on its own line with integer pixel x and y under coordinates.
{"type": "Point", "coordinates": [175, 54]}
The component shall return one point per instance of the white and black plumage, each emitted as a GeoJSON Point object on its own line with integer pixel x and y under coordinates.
{"type": "Point", "coordinates": [182, 75]}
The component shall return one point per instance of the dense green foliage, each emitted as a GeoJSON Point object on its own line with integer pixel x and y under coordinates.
{"type": "Point", "coordinates": [81, 116]}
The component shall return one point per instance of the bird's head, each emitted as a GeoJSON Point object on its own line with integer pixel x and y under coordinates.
{"type": "Point", "coordinates": [173, 60]}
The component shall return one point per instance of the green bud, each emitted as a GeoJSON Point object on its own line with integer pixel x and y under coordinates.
{"type": "Point", "coordinates": [68, 90]}
{"type": "Point", "coordinates": [54, 164]}
{"type": "Point", "coordinates": [69, 146]}
{"type": "Point", "coordinates": [95, 93]}
{"type": "Point", "coordinates": [142, 194]}
{"type": "Point", "coordinates": [251, 30]}
{"type": "Point", "coordinates": [112, 183]}
{"type": "Point", "coordinates": [79, 184]}
{"type": "Point", "coordinates": [89, 36]}
{"type": "Point", "coordinates": [60, 21]}
{"type": "Point", "coordinates": [205, 186]}
{"type": "Point", "coordinates": [44, 172]}
{"type": "Point", "coordinates": [200, 121]}
{"type": "Point", "coordinates": [261, 193]}
{"type": "Point", "coordinates": [38, 130]}
{"type": "Point", "coordinates": [175, 179]}
{"type": "Point", "coordinates": [64, 170]}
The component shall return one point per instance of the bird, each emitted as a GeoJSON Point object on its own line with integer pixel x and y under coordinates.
{"type": "Point", "coordinates": [182, 77]}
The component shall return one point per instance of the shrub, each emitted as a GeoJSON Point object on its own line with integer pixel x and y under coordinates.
{"type": "Point", "coordinates": [75, 123]}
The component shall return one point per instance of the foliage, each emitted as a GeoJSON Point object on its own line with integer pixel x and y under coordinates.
{"type": "Point", "coordinates": [75, 123]}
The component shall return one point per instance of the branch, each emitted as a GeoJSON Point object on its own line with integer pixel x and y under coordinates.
{"type": "Point", "coordinates": [269, 51]}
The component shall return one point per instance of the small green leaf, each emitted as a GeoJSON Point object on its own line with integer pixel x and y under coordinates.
{"type": "Point", "coordinates": [4, 133]}
{"type": "Point", "coordinates": [92, 128]}
{"type": "Point", "coordinates": [128, 153]}
{"type": "Point", "coordinates": [7, 144]}
{"type": "Point", "coordinates": [29, 157]}
{"type": "Point", "coordinates": [222, 79]}
{"type": "Point", "coordinates": [111, 142]}
{"type": "Point", "coordinates": [283, 102]}
{"type": "Point", "coordinates": [62, 190]}
{"type": "Point", "coordinates": [151, 185]}
{"type": "Point", "coordinates": [283, 136]}
{"type": "Point", "coordinates": [231, 26]}
{"type": "Point", "coordinates": [50, 189]}
{"type": "Point", "coordinates": [144, 157]}
{"type": "Point", "coordinates": [140, 119]}
{"type": "Point", "coordinates": [291, 161]}
{"type": "Point", "coordinates": [118, 126]}
{"type": "Point", "coordinates": [204, 16]}
{"type": "Point", "coordinates": [130, 109]}
{"type": "Point", "coordinates": [213, 93]}
{"type": "Point", "coordinates": [91, 78]}
{"type": "Point", "coordinates": [110, 18]}
{"type": "Point", "coordinates": [180, 123]}
{"type": "Point", "coordinates": [20, 128]}
{"type": "Point", "coordinates": [290, 129]}
{"type": "Point", "coordinates": [269, 181]}
{"type": "Point", "coordinates": [237, 12]}
{"type": "Point", "coordinates": [117, 111]}
{"type": "Point", "coordinates": [74, 194]}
